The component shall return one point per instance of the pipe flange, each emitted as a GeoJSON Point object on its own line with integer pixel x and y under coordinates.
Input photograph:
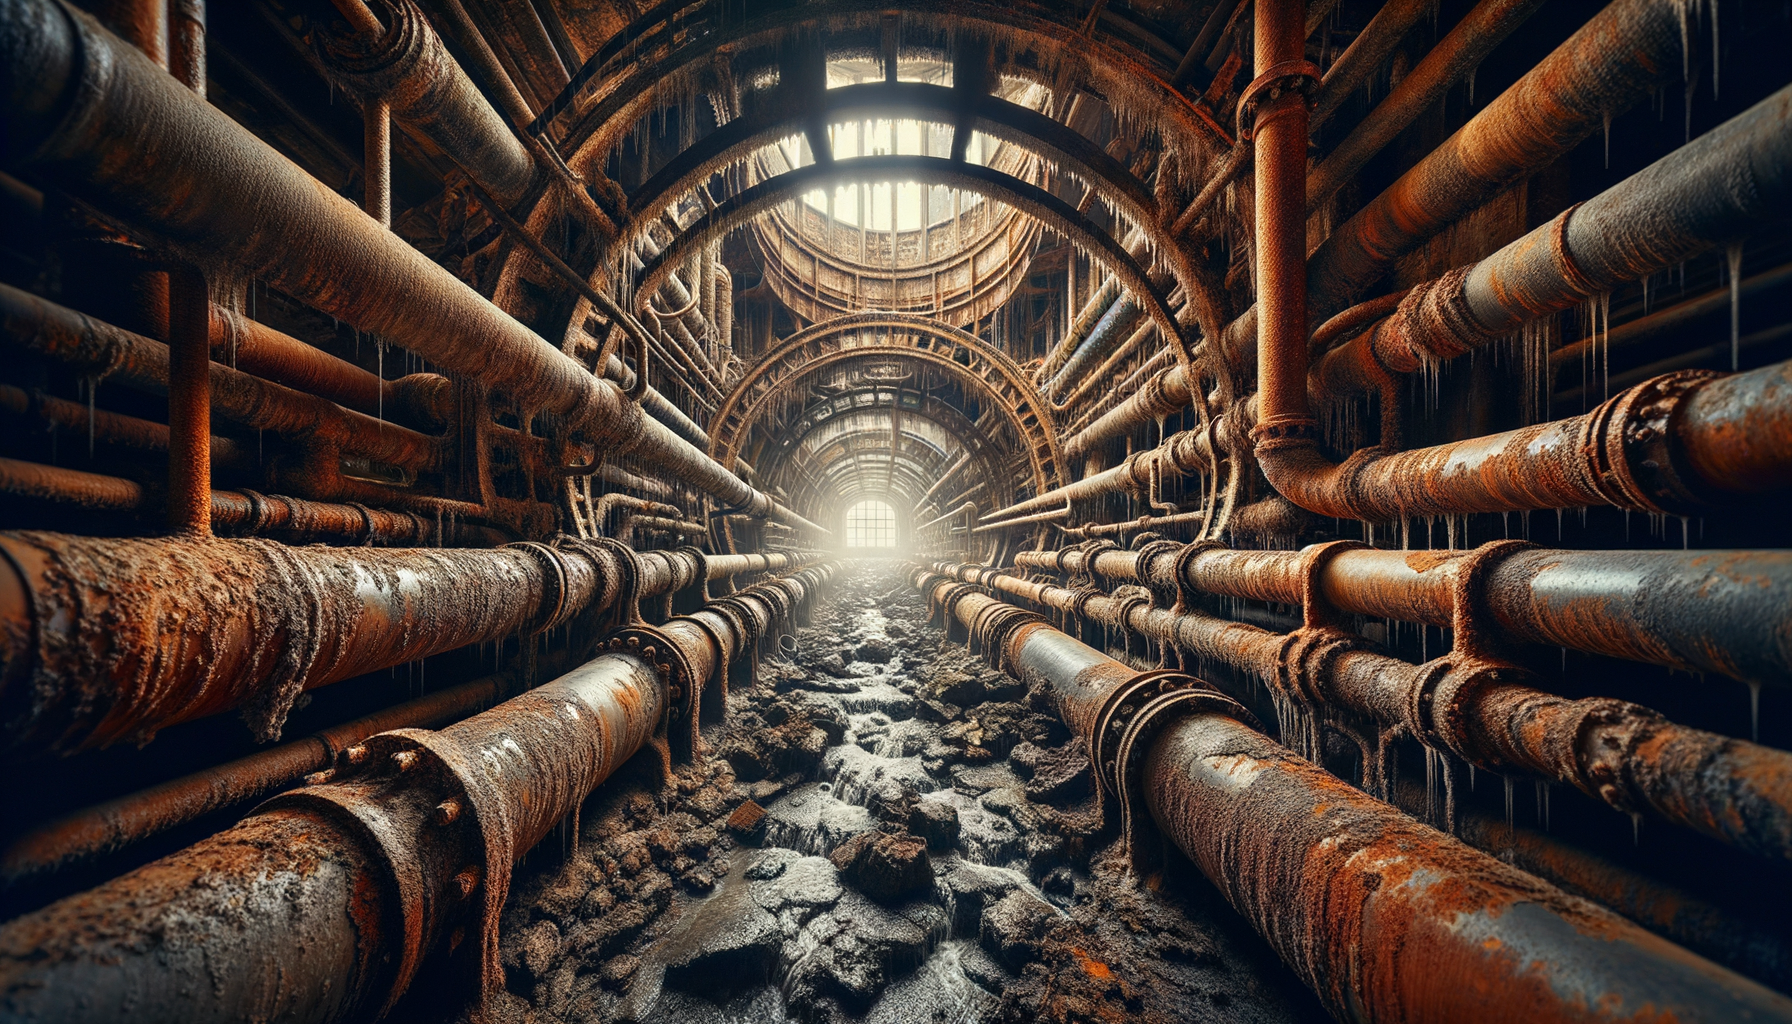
{"type": "Point", "coordinates": [1189, 553]}
{"type": "Point", "coordinates": [1116, 716]}
{"type": "Point", "coordinates": [1144, 847]}
{"type": "Point", "coordinates": [624, 584]}
{"type": "Point", "coordinates": [1439, 699]}
{"type": "Point", "coordinates": [555, 582]}
{"type": "Point", "coordinates": [1300, 77]}
{"type": "Point", "coordinates": [683, 688]}
{"type": "Point", "coordinates": [386, 791]}
{"type": "Point", "coordinates": [1150, 551]}
{"type": "Point", "coordinates": [1628, 444]}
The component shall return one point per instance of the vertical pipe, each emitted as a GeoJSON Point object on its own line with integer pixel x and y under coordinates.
{"type": "Point", "coordinates": [377, 159]}
{"type": "Point", "coordinates": [1280, 151]}
{"type": "Point", "coordinates": [186, 37]}
{"type": "Point", "coordinates": [189, 403]}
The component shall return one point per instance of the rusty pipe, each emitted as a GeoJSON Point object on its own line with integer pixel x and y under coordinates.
{"type": "Point", "coordinates": [108, 352]}
{"type": "Point", "coordinates": [1728, 183]}
{"type": "Point", "coordinates": [420, 399]}
{"type": "Point", "coordinates": [1483, 711]}
{"type": "Point", "coordinates": [1363, 57]}
{"type": "Point", "coordinates": [103, 828]}
{"type": "Point", "coordinates": [1694, 611]}
{"type": "Point", "coordinates": [1181, 454]}
{"type": "Point", "coordinates": [1457, 54]}
{"type": "Point", "coordinates": [1279, 156]}
{"type": "Point", "coordinates": [243, 513]}
{"type": "Point", "coordinates": [109, 427]}
{"type": "Point", "coordinates": [405, 65]}
{"type": "Point", "coordinates": [1158, 397]}
{"type": "Point", "coordinates": [188, 503]}
{"type": "Point", "coordinates": [114, 638]}
{"type": "Point", "coordinates": [1385, 918]}
{"type": "Point", "coordinates": [206, 183]}
{"type": "Point", "coordinates": [1675, 443]}
{"type": "Point", "coordinates": [1622, 54]}
{"type": "Point", "coordinates": [407, 840]}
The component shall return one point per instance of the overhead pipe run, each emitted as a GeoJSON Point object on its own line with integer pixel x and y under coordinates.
{"type": "Point", "coordinates": [390, 870]}
{"type": "Point", "coordinates": [1693, 611]}
{"type": "Point", "coordinates": [93, 111]}
{"type": "Point", "coordinates": [1383, 917]}
{"type": "Point", "coordinates": [1730, 182]}
{"type": "Point", "coordinates": [114, 639]}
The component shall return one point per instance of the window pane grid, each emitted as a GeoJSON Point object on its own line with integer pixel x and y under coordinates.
{"type": "Point", "coordinates": [871, 524]}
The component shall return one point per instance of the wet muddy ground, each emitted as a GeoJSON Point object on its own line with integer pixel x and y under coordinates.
{"type": "Point", "coordinates": [884, 830]}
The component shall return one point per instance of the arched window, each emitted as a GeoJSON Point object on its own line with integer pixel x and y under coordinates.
{"type": "Point", "coordinates": [871, 524]}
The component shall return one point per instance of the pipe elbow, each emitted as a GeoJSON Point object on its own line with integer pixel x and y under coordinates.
{"type": "Point", "coordinates": [1303, 474]}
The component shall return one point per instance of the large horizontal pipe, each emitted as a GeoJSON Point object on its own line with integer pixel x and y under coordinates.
{"type": "Point", "coordinates": [1741, 943]}
{"type": "Point", "coordinates": [1163, 394]}
{"type": "Point", "coordinates": [1484, 712]}
{"type": "Point", "coordinates": [112, 639]}
{"type": "Point", "coordinates": [407, 67]}
{"type": "Point", "coordinates": [103, 828]}
{"type": "Point", "coordinates": [1454, 56]}
{"type": "Point", "coordinates": [91, 111]}
{"type": "Point", "coordinates": [105, 427]}
{"type": "Point", "coordinates": [243, 513]}
{"type": "Point", "coordinates": [1385, 918]}
{"type": "Point", "coordinates": [1181, 454]}
{"type": "Point", "coordinates": [1617, 59]}
{"type": "Point", "coordinates": [111, 353]}
{"type": "Point", "coordinates": [1695, 611]}
{"type": "Point", "coordinates": [1724, 185]}
{"type": "Point", "coordinates": [1674, 444]}
{"type": "Point", "coordinates": [323, 904]}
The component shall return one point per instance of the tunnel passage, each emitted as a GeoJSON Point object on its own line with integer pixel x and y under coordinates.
{"type": "Point", "coordinates": [816, 512]}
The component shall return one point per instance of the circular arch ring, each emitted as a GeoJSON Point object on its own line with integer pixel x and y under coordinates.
{"type": "Point", "coordinates": [635, 69]}
{"type": "Point", "coordinates": [787, 114]}
{"type": "Point", "coordinates": [942, 414]}
{"type": "Point", "coordinates": [912, 337]}
{"type": "Point", "coordinates": [738, 209]}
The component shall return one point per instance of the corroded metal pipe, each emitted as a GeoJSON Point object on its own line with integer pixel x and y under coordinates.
{"type": "Point", "coordinates": [79, 105]}
{"type": "Point", "coordinates": [1726, 184]}
{"type": "Point", "coordinates": [1456, 55]}
{"type": "Point", "coordinates": [44, 328]}
{"type": "Point", "coordinates": [1673, 444]}
{"type": "Point", "coordinates": [1158, 397]}
{"type": "Point", "coordinates": [95, 831]}
{"type": "Point", "coordinates": [407, 67]}
{"type": "Point", "coordinates": [1479, 709]}
{"type": "Point", "coordinates": [244, 513]}
{"type": "Point", "coordinates": [1616, 60]}
{"type": "Point", "coordinates": [1181, 454]}
{"type": "Point", "coordinates": [1385, 918]}
{"type": "Point", "coordinates": [109, 639]}
{"type": "Point", "coordinates": [1695, 611]}
{"type": "Point", "coordinates": [329, 901]}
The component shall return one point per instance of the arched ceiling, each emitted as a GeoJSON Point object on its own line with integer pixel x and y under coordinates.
{"type": "Point", "coordinates": [763, 74]}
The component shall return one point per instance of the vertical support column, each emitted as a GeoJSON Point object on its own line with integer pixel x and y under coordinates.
{"type": "Point", "coordinates": [189, 403]}
{"type": "Point", "coordinates": [1280, 152]}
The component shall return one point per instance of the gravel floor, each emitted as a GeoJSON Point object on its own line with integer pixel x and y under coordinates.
{"type": "Point", "coordinates": [884, 830]}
